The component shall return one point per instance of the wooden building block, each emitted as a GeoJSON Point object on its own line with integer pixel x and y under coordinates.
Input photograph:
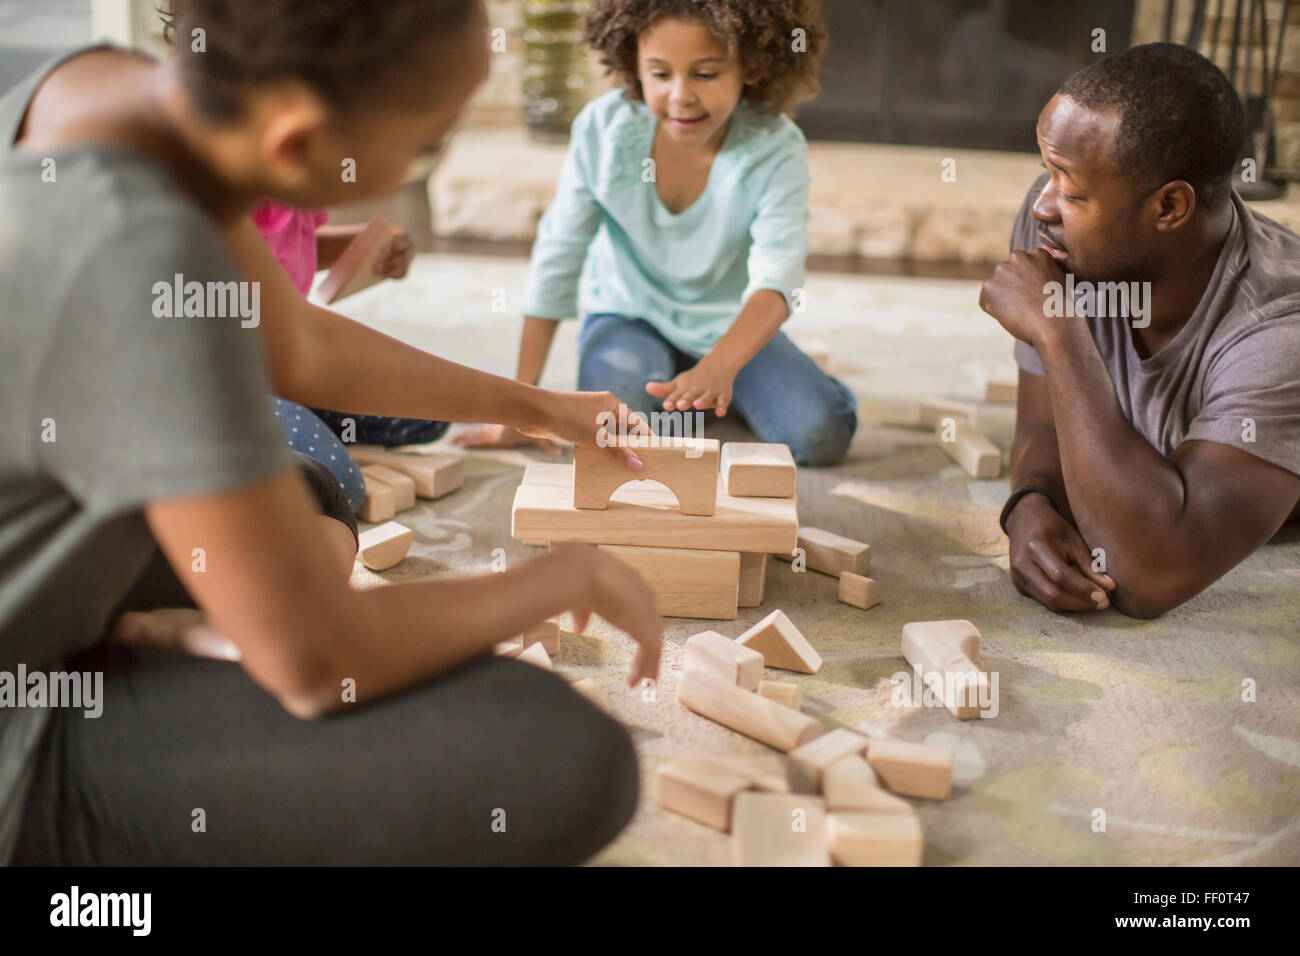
{"type": "Point", "coordinates": [688, 467]}
{"type": "Point", "coordinates": [701, 790]}
{"type": "Point", "coordinates": [783, 692]}
{"type": "Point", "coordinates": [807, 763]}
{"type": "Point", "coordinates": [755, 469]}
{"type": "Point", "coordinates": [536, 654]}
{"type": "Point", "coordinates": [961, 634]}
{"type": "Point", "coordinates": [911, 769]}
{"type": "Point", "coordinates": [753, 579]}
{"type": "Point", "coordinates": [831, 553]}
{"type": "Point", "coordinates": [934, 410]}
{"type": "Point", "coordinates": [508, 648]}
{"type": "Point", "coordinates": [766, 772]}
{"type": "Point", "coordinates": [935, 648]}
{"type": "Point", "coordinates": [547, 634]}
{"type": "Point", "coordinates": [859, 591]}
{"type": "Point", "coordinates": [382, 547]}
{"type": "Point", "coordinates": [355, 268]}
{"type": "Point", "coordinates": [781, 644]}
{"type": "Point", "coordinates": [1001, 390]}
{"type": "Point", "coordinates": [778, 829]}
{"type": "Point", "coordinates": [874, 839]}
{"type": "Point", "coordinates": [851, 784]}
{"type": "Point", "coordinates": [434, 474]}
{"type": "Point", "coordinates": [380, 503]}
{"type": "Point", "coordinates": [976, 455]}
{"type": "Point", "coordinates": [686, 582]}
{"type": "Point", "coordinates": [403, 485]}
{"type": "Point", "coordinates": [735, 663]}
{"type": "Point", "coordinates": [745, 712]}
{"type": "Point", "coordinates": [647, 515]}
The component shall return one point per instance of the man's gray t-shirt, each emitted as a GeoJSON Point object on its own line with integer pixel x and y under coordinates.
{"type": "Point", "coordinates": [1232, 374]}
{"type": "Point", "coordinates": [139, 407]}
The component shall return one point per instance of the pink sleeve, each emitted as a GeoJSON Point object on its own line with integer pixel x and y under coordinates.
{"type": "Point", "coordinates": [291, 235]}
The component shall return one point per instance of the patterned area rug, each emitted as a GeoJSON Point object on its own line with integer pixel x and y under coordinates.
{"type": "Point", "coordinates": [1140, 723]}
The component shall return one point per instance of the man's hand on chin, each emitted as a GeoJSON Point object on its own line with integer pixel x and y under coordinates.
{"type": "Point", "coordinates": [1015, 294]}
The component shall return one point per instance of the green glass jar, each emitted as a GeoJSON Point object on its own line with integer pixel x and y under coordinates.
{"type": "Point", "coordinates": [556, 75]}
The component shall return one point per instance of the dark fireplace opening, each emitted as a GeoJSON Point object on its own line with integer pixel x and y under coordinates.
{"type": "Point", "coordinates": [960, 73]}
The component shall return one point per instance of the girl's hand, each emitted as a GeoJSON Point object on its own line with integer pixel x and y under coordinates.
{"type": "Point", "coordinates": [591, 419]}
{"type": "Point", "coordinates": [397, 256]}
{"type": "Point", "coordinates": [707, 385]}
{"type": "Point", "coordinates": [503, 436]}
{"type": "Point", "coordinates": [621, 596]}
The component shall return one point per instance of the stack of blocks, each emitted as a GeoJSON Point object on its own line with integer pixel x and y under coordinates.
{"type": "Point", "coordinates": [700, 537]}
{"type": "Point", "coordinates": [393, 481]}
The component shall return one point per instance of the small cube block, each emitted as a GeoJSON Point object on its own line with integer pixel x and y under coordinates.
{"type": "Point", "coordinates": [757, 470]}
{"type": "Point", "coordinates": [783, 692]}
{"type": "Point", "coordinates": [718, 654]}
{"type": "Point", "coordinates": [859, 591]}
{"type": "Point", "coordinates": [851, 784]}
{"type": "Point", "coordinates": [807, 763]}
{"type": "Point", "coordinates": [912, 769]}
{"type": "Point", "coordinates": [778, 829]}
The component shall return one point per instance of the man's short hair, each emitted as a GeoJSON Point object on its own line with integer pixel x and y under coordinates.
{"type": "Point", "coordinates": [1179, 117]}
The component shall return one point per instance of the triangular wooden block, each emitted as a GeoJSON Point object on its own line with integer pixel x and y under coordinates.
{"type": "Point", "coordinates": [781, 644]}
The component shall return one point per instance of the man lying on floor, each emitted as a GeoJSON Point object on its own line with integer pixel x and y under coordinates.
{"type": "Point", "coordinates": [1158, 325]}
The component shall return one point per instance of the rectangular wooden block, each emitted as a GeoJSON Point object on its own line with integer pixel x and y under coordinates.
{"type": "Point", "coordinates": [547, 634]}
{"type": "Point", "coordinates": [874, 839]}
{"type": "Point", "coordinates": [384, 546]}
{"type": "Point", "coordinates": [403, 486]}
{"type": "Point", "coordinates": [934, 410]}
{"type": "Point", "coordinates": [961, 634]}
{"type": "Point", "coordinates": [687, 466]}
{"type": "Point", "coordinates": [781, 644]}
{"type": "Point", "coordinates": [685, 582]}
{"type": "Point", "coordinates": [851, 784]}
{"type": "Point", "coordinates": [355, 268]}
{"type": "Point", "coordinates": [930, 647]}
{"type": "Point", "coordinates": [1001, 390]}
{"type": "Point", "coordinates": [701, 790]}
{"type": "Point", "coordinates": [783, 692]}
{"type": "Point", "coordinates": [778, 829]}
{"type": "Point", "coordinates": [911, 769]}
{"type": "Point", "coordinates": [807, 763]}
{"type": "Point", "coordinates": [831, 553]}
{"type": "Point", "coordinates": [753, 579]}
{"type": "Point", "coordinates": [756, 469]}
{"type": "Point", "coordinates": [435, 474]}
{"type": "Point", "coordinates": [976, 455]}
{"type": "Point", "coordinates": [745, 712]}
{"type": "Point", "coordinates": [859, 591]}
{"type": "Point", "coordinates": [648, 516]}
{"type": "Point", "coordinates": [765, 772]}
{"type": "Point", "coordinates": [381, 500]}
{"type": "Point", "coordinates": [717, 654]}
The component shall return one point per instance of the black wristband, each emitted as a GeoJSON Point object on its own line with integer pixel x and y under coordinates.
{"type": "Point", "coordinates": [1015, 500]}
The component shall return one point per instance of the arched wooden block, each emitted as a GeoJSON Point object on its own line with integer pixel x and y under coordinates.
{"type": "Point", "coordinates": [686, 466]}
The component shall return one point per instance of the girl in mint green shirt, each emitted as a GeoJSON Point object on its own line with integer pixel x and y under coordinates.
{"type": "Point", "coordinates": [679, 222]}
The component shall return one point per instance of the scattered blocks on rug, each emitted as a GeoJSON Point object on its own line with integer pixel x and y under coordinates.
{"type": "Point", "coordinates": [745, 711]}
{"type": "Point", "coordinates": [874, 839]}
{"type": "Point", "coordinates": [859, 591]}
{"type": "Point", "coordinates": [700, 789]}
{"type": "Point", "coordinates": [757, 470]}
{"type": "Point", "coordinates": [381, 548]}
{"type": "Point", "coordinates": [807, 763]}
{"type": "Point", "coordinates": [832, 553]}
{"type": "Point", "coordinates": [783, 692]}
{"type": "Point", "coordinates": [735, 663]}
{"type": "Point", "coordinates": [777, 829]}
{"type": "Point", "coordinates": [434, 475]}
{"type": "Point", "coordinates": [912, 769]}
{"type": "Point", "coordinates": [781, 644]}
{"type": "Point", "coordinates": [976, 455]}
{"type": "Point", "coordinates": [686, 466]}
{"type": "Point", "coordinates": [935, 648]}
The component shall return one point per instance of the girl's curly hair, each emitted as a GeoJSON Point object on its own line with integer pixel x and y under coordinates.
{"type": "Point", "coordinates": [763, 35]}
